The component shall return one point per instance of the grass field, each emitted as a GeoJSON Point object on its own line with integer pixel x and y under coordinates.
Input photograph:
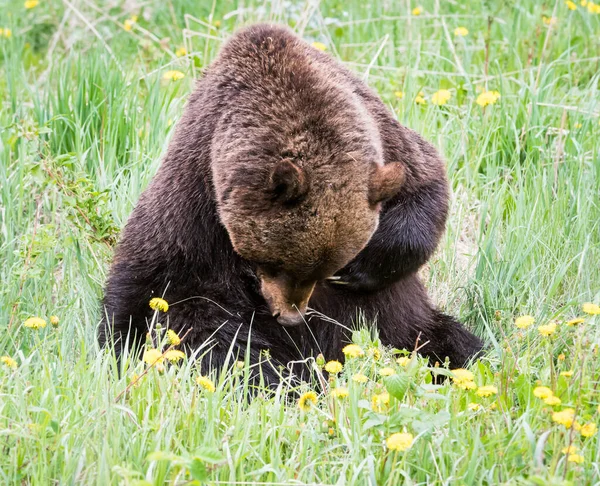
{"type": "Point", "coordinates": [90, 92]}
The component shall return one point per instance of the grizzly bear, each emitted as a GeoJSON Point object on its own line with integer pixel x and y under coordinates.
{"type": "Point", "coordinates": [290, 201]}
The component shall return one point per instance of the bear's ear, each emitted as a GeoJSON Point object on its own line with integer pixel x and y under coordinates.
{"type": "Point", "coordinates": [386, 181]}
{"type": "Point", "coordinates": [287, 182]}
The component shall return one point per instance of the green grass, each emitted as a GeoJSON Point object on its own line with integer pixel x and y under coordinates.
{"type": "Point", "coordinates": [85, 117]}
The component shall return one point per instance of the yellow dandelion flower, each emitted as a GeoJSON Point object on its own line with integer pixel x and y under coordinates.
{"type": "Point", "coordinates": [387, 371]}
{"type": "Point", "coordinates": [5, 32]}
{"type": "Point", "coordinates": [8, 361]}
{"type": "Point", "coordinates": [159, 304]}
{"type": "Point", "coordinates": [152, 356]}
{"type": "Point", "coordinates": [552, 401]}
{"type": "Point", "coordinates": [486, 391]}
{"type": "Point", "coordinates": [592, 309]}
{"type": "Point", "coordinates": [172, 337]}
{"type": "Point", "coordinates": [524, 322]}
{"type": "Point", "coordinates": [319, 46]}
{"type": "Point", "coordinates": [588, 430]}
{"type": "Point", "coordinates": [441, 97]}
{"type": "Point", "coordinates": [174, 355]}
{"type": "Point", "coordinates": [374, 353]}
{"type": "Point", "coordinates": [403, 360]}
{"type": "Point", "coordinates": [420, 100]}
{"type": "Point", "coordinates": [569, 450]}
{"type": "Point", "coordinates": [561, 357]}
{"type": "Point", "coordinates": [180, 51]}
{"type": "Point", "coordinates": [399, 94]}
{"type": "Point", "coordinates": [542, 392]}
{"type": "Point", "coordinates": [571, 5]}
{"type": "Point", "coordinates": [576, 458]}
{"type": "Point", "coordinates": [35, 323]}
{"type": "Point", "coordinates": [339, 392]}
{"type": "Point", "coordinates": [565, 417]}
{"type": "Point", "coordinates": [574, 322]}
{"type": "Point", "coordinates": [380, 401]}
{"type": "Point", "coordinates": [29, 4]}
{"type": "Point", "coordinates": [489, 98]}
{"type": "Point", "coordinates": [593, 8]}
{"type": "Point", "coordinates": [54, 320]}
{"type": "Point", "coordinates": [353, 351]}
{"type": "Point", "coordinates": [307, 400]}
{"type": "Point", "coordinates": [461, 32]}
{"type": "Point", "coordinates": [416, 11]}
{"type": "Point", "coordinates": [205, 383]}
{"type": "Point", "coordinates": [360, 378]}
{"type": "Point", "coordinates": [466, 385]}
{"type": "Point", "coordinates": [128, 24]}
{"type": "Point", "coordinates": [399, 441]}
{"type": "Point", "coordinates": [173, 76]}
{"type": "Point", "coordinates": [547, 329]}
{"type": "Point", "coordinates": [568, 374]}
{"type": "Point", "coordinates": [461, 374]}
{"type": "Point", "coordinates": [135, 380]}
{"type": "Point", "coordinates": [333, 367]}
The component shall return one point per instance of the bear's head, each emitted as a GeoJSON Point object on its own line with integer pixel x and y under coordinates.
{"type": "Point", "coordinates": [299, 221]}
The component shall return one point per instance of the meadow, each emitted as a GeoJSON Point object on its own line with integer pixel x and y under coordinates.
{"type": "Point", "coordinates": [509, 91]}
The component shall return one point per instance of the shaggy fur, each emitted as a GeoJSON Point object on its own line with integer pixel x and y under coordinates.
{"type": "Point", "coordinates": [282, 168]}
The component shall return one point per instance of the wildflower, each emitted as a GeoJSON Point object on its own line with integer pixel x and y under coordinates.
{"type": "Point", "coordinates": [307, 400]}
{"type": "Point", "coordinates": [173, 75]}
{"type": "Point", "coordinates": [319, 46]}
{"type": "Point", "coordinates": [387, 371]}
{"type": "Point", "coordinates": [420, 99]}
{"type": "Point", "coordinates": [360, 378]}
{"type": "Point", "coordinates": [174, 355]}
{"type": "Point", "coordinates": [565, 417]}
{"type": "Point", "coordinates": [461, 32]}
{"type": "Point", "coordinates": [172, 337]}
{"type": "Point", "coordinates": [180, 51]}
{"type": "Point", "coordinates": [487, 391]}
{"type": "Point", "coordinates": [35, 323]}
{"type": "Point", "coordinates": [474, 407]}
{"type": "Point", "coordinates": [135, 380]}
{"type": "Point", "coordinates": [399, 441]}
{"type": "Point", "coordinates": [8, 361]}
{"type": "Point", "coordinates": [380, 401]}
{"type": "Point", "coordinates": [240, 365]}
{"type": "Point", "coordinates": [461, 374]}
{"type": "Point", "coordinates": [547, 329]}
{"type": "Point", "coordinates": [353, 351]}
{"type": "Point", "coordinates": [588, 430]}
{"type": "Point", "coordinates": [561, 357]}
{"type": "Point", "coordinates": [489, 98]}
{"type": "Point", "coordinates": [54, 321]}
{"type": "Point", "coordinates": [591, 309]}
{"type": "Point", "coordinates": [374, 353]}
{"type": "Point", "coordinates": [205, 383]}
{"type": "Point", "coordinates": [552, 401]}
{"type": "Point", "coordinates": [523, 322]}
{"type": "Point", "coordinates": [416, 11]}
{"type": "Point", "coordinates": [403, 361]}
{"type": "Point", "coordinates": [576, 458]}
{"type": "Point", "coordinates": [568, 374]}
{"type": "Point", "coordinates": [333, 367]}
{"type": "Point", "coordinates": [593, 8]}
{"type": "Point", "coordinates": [399, 94]}
{"type": "Point", "coordinates": [29, 4]}
{"type": "Point", "coordinates": [571, 5]}
{"type": "Point", "coordinates": [542, 392]}
{"type": "Point", "coordinates": [339, 392]}
{"type": "Point", "coordinates": [153, 356]}
{"type": "Point", "coordinates": [569, 450]}
{"type": "Point", "coordinates": [574, 322]}
{"type": "Point", "coordinates": [159, 304]}
{"type": "Point", "coordinates": [128, 24]}
{"type": "Point", "coordinates": [6, 32]}
{"type": "Point", "coordinates": [441, 97]}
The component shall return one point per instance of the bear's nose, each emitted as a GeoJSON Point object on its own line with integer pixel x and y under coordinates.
{"type": "Point", "coordinates": [290, 319]}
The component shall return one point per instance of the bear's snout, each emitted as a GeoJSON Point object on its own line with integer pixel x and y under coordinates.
{"type": "Point", "coordinates": [287, 299]}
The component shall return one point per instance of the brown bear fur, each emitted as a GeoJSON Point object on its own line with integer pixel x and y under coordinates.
{"type": "Point", "coordinates": [282, 168]}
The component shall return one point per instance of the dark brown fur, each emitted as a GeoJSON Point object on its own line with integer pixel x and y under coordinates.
{"type": "Point", "coordinates": [273, 181]}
